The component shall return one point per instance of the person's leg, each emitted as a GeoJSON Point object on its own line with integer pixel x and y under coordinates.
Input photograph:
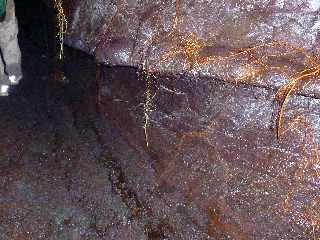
{"type": "Point", "coordinates": [4, 83]}
{"type": "Point", "coordinates": [9, 44]}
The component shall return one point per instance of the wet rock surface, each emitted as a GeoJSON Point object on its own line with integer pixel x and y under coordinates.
{"type": "Point", "coordinates": [168, 156]}
{"type": "Point", "coordinates": [214, 158]}
{"type": "Point", "coordinates": [261, 42]}
{"type": "Point", "coordinates": [213, 169]}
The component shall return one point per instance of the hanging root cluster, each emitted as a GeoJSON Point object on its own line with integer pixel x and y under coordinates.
{"type": "Point", "coordinates": [147, 102]}
{"type": "Point", "coordinates": [302, 78]}
{"type": "Point", "coordinates": [62, 25]}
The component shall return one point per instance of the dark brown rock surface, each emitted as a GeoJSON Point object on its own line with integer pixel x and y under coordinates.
{"type": "Point", "coordinates": [200, 121]}
{"type": "Point", "coordinates": [260, 42]}
{"type": "Point", "coordinates": [213, 157]}
{"type": "Point", "coordinates": [179, 151]}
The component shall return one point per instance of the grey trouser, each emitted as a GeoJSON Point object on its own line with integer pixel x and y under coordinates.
{"type": "Point", "coordinates": [10, 64]}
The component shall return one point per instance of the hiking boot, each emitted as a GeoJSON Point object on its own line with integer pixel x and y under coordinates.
{"type": "Point", "coordinates": [4, 90]}
{"type": "Point", "coordinates": [4, 85]}
{"type": "Point", "coordinates": [14, 73]}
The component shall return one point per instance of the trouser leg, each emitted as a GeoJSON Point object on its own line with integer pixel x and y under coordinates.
{"type": "Point", "coordinates": [9, 44]}
{"type": "Point", "coordinates": [4, 82]}
{"type": "Point", "coordinates": [2, 73]}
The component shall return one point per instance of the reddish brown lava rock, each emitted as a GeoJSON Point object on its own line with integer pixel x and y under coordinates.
{"type": "Point", "coordinates": [215, 157]}
{"type": "Point", "coordinates": [202, 96]}
{"type": "Point", "coordinates": [205, 106]}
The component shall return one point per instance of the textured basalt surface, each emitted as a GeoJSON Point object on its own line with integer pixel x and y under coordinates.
{"type": "Point", "coordinates": [213, 169]}
{"type": "Point", "coordinates": [200, 117]}
{"type": "Point", "coordinates": [178, 150]}
{"type": "Point", "coordinates": [263, 42]}
{"type": "Point", "coordinates": [213, 158]}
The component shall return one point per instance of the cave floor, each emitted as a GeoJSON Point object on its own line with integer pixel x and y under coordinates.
{"type": "Point", "coordinates": [54, 180]}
